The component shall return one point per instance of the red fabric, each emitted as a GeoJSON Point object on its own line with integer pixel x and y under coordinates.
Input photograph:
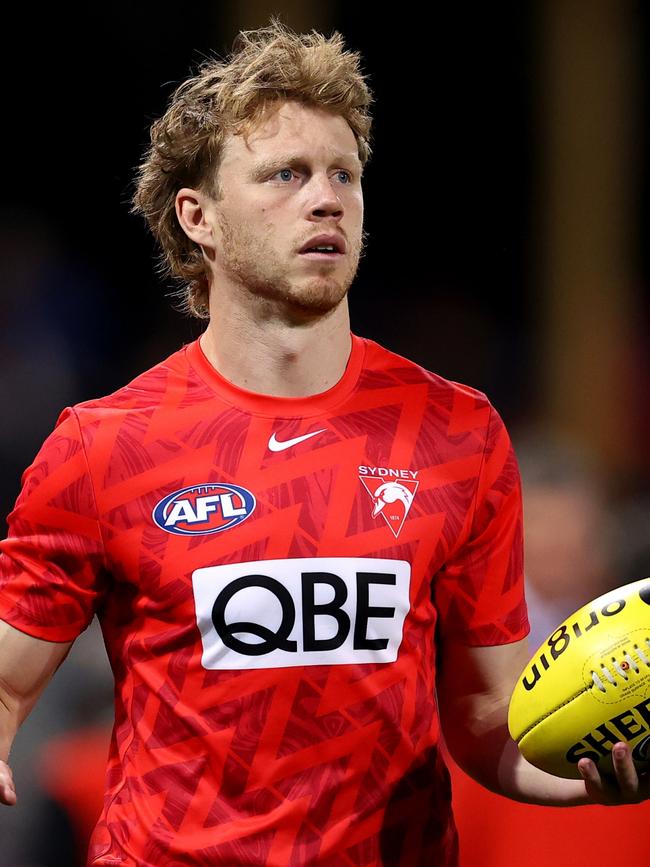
{"type": "Point", "coordinates": [333, 761]}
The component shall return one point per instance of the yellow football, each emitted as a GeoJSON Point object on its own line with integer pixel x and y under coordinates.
{"type": "Point", "coordinates": [588, 687]}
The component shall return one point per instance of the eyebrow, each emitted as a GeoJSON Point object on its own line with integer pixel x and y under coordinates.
{"type": "Point", "coordinates": [298, 161]}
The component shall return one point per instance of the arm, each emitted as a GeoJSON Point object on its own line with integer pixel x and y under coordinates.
{"type": "Point", "coordinates": [474, 688]}
{"type": "Point", "coordinates": [26, 666]}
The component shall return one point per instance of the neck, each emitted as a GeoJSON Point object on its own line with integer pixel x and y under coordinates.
{"type": "Point", "coordinates": [271, 356]}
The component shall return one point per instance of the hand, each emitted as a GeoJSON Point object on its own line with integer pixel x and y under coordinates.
{"type": "Point", "coordinates": [7, 790]}
{"type": "Point", "coordinates": [626, 787]}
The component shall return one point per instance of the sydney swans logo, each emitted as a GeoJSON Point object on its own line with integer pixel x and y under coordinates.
{"type": "Point", "coordinates": [392, 493]}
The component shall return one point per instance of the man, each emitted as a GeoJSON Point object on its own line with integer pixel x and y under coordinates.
{"type": "Point", "coordinates": [291, 536]}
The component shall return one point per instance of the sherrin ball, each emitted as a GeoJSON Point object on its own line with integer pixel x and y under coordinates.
{"type": "Point", "coordinates": [588, 687]}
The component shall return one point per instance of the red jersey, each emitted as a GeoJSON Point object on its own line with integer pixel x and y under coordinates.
{"type": "Point", "coordinates": [271, 576]}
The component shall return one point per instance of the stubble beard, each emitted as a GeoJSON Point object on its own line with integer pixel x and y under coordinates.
{"type": "Point", "coordinates": [252, 261]}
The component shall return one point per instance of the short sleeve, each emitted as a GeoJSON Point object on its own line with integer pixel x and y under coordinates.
{"type": "Point", "coordinates": [479, 593]}
{"type": "Point", "coordinates": [51, 563]}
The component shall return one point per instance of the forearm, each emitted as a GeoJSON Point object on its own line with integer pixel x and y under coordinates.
{"type": "Point", "coordinates": [6, 740]}
{"type": "Point", "coordinates": [479, 741]}
{"type": "Point", "coordinates": [490, 756]}
{"type": "Point", "coordinates": [473, 698]}
{"type": "Point", "coordinates": [8, 727]}
{"type": "Point", "coordinates": [473, 701]}
{"type": "Point", "coordinates": [26, 666]}
{"type": "Point", "coordinates": [9, 721]}
{"type": "Point", "coordinates": [519, 780]}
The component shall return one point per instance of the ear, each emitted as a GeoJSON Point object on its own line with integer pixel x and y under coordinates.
{"type": "Point", "coordinates": [192, 211]}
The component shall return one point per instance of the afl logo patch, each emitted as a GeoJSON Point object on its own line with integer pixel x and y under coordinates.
{"type": "Point", "coordinates": [203, 509]}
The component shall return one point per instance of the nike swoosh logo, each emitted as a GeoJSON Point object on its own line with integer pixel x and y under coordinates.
{"type": "Point", "coordinates": [276, 446]}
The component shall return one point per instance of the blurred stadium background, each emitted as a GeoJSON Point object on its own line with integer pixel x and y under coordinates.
{"type": "Point", "coordinates": [507, 208]}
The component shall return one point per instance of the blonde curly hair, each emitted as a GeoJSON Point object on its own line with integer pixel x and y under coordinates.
{"type": "Point", "coordinates": [229, 97]}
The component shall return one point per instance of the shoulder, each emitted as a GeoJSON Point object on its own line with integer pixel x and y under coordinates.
{"type": "Point", "coordinates": [126, 413]}
{"type": "Point", "coordinates": [169, 379]}
{"type": "Point", "coordinates": [382, 366]}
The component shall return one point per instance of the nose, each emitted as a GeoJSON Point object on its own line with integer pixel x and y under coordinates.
{"type": "Point", "coordinates": [323, 200]}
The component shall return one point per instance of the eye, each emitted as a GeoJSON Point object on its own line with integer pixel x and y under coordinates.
{"type": "Point", "coordinates": [284, 175]}
{"type": "Point", "coordinates": [344, 176]}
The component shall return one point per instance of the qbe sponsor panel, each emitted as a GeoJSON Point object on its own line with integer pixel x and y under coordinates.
{"type": "Point", "coordinates": [301, 611]}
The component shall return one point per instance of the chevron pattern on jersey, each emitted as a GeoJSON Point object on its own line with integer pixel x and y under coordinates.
{"type": "Point", "coordinates": [328, 756]}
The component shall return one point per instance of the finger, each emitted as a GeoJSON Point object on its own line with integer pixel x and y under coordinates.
{"type": "Point", "coordinates": [7, 789]}
{"type": "Point", "coordinates": [597, 788]}
{"type": "Point", "coordinates": [626, 775]}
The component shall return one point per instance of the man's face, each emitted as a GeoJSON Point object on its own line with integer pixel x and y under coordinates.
{"type": "Point", "coordinates": [294, 182]}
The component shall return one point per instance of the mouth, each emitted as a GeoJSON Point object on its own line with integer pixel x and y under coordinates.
{"type": "Point", "coordinates": [324, 248]}
{"type": "Point", "coordinates": [324, 256]}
